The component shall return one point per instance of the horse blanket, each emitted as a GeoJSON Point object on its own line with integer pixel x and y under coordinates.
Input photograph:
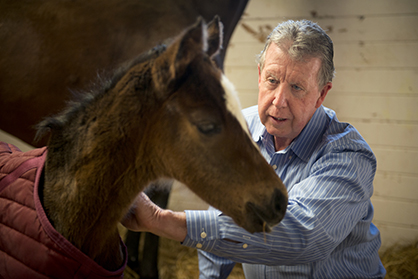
{"type": "Point", "coordinates": [30, 247]}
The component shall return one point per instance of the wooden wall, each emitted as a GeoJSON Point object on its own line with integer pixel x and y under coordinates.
{"type": "Point", "coordinates": [375, 89]}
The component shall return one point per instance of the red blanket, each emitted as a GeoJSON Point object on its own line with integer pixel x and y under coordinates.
{"type": "Point", "coordinates": [29, 245]}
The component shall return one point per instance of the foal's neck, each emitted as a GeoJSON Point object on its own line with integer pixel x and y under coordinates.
{"type": "Point", "coordinates": [92, 176]}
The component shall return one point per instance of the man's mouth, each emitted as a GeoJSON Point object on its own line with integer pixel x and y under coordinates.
{"type": "Point", "coordinates": [278, 118]}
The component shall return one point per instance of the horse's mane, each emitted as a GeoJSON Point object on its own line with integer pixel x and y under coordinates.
{"type": "Point", "coordinates": [81, 99]}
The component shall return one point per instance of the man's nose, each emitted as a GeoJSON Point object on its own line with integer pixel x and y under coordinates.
{"type": "Point", "coordinates": [280, 96]}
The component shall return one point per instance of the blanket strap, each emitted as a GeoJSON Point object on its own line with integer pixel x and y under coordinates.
{"type": "Point", "coordinates": [24, 167]}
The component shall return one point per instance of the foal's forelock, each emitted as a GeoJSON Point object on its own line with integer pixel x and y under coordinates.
{"type": "Point", "coordinates": [233, 104]}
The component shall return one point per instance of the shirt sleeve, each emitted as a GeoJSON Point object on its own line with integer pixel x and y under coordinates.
{"type": "Point", "coordinates": [210, 265]}
{"type": "Point", "coordinates": [323, 210]}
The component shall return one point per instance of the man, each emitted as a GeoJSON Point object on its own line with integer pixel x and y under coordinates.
{"type": "Point", "coordinates": [326, 165]}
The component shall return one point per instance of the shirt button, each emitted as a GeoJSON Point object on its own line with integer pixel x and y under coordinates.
{"type": "Point", "coordinates": [203, 235]}
{"type": "Point", "coordinates": [245, 245]}
{"type": "Point", "coordinates": [199, 245]}
{"type": "Point", "coordinates": [274, 167]}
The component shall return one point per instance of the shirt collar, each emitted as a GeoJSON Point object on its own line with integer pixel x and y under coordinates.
{"type": "Point", "coordinates": [259, 132]}
{"type": "Point", "coordinates": [305, 143]}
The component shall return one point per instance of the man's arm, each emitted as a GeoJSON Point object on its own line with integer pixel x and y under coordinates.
{"type": "Point", "coordinates": [323, 209]}
{"type": "Point", "coordinates": [144, 215]}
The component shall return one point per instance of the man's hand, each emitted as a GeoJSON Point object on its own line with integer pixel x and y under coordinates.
{"type": "Point", "coordinates": [146, 216]}
{"type": "Point", "coordinates": [141, 214]}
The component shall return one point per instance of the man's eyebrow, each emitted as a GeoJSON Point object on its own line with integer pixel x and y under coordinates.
{"type": "Point", "coordinates": [269, 73]}
{"type": "Point", "coordinates": [299, 83]}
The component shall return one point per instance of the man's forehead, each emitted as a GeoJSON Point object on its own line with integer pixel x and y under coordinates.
{"type": "Point", "coordinates": [280, 63]}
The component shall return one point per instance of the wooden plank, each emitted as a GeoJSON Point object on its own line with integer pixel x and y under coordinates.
{"type": "Point", "coordinates": [371, 29]}
{"type": "Point", "coordinates": [356, 93]}
{"type": "Point", "coordinates": [403, 161]}
{"type": "Point", "coordinates": [392, 234]}
{"type": "Point", "coordinates": [349, 85]}
{"type": "Point", "coordinates": [352, 29]}
{"type": "Point", "coordinates": [243, 78]}
{"type": "Point", "coordinates": [248, 98]}
{"type": "Point", "coordinates": [390, 109]}
{"type": "Point", "coordinates": [371, 55]}
{"type": "Point", "coordinates": [377, 55]}
{"type": "Point", "coordinates": [395, 186]}
{"type": "Point", "coordinates": [392, 135]}
{"type": "Point", "coordinates": [327, 8]}
{"type": "Point", "coordinates": [362, 80]}
{"type": "Point", "coordinates": [396, 212]}
{"type": "Point", "coordinates": [182, 198]}
{"type": "Point", "coordinates": [243, 55]}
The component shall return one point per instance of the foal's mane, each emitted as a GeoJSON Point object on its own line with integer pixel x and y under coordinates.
{"type": "Point", "coordinates": [103, 83]}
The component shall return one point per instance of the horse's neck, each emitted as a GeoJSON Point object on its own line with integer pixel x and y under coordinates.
{"type": "Point", "coordinates": [86, 196]}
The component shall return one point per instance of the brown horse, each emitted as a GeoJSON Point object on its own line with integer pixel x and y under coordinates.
{"type": "Point", "coordinates": [49, 48]}
{"type": "Point", "coordinates": [169, 114]}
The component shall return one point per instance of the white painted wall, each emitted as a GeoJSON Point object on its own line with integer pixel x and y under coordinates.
{"type": "Point", "coordinates": [375, 89]}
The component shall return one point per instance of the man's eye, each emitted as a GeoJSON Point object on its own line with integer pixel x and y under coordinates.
{"type": "Point", "coordinates": [297, 88]}
{"type": "Point", "coordinates": [272, 80]}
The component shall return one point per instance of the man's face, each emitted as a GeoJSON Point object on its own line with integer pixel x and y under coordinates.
{"type": "Point", "coordinates": [288, 94]}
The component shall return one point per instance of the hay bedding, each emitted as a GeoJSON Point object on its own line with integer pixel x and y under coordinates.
{"type": "Point", "coordinates": [401, 261]}
{"type": "Point", "coordinates": [179, 262]}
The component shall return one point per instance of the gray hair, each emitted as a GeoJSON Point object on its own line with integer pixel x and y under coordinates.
{"type": "Point", "coordinates": [303, 39]}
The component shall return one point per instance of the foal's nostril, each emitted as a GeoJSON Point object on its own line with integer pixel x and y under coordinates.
{"type": "Point", "coordinates": [279, 202]}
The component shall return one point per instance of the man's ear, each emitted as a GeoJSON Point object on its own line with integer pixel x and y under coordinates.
{"type": "Point", "coordinates": [323, 94]}
{"type": "Point", "coordinates": [259, 75]}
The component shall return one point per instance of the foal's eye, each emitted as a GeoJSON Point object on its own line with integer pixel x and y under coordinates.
{"type": "Point", "coordinates": [208, 128]}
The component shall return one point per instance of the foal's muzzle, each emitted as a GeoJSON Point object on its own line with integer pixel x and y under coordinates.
{"type": "Point", "coordinates": [266, 216]}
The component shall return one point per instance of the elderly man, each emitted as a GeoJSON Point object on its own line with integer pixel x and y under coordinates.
{"type": "Point", "coordinates": [326, 165]}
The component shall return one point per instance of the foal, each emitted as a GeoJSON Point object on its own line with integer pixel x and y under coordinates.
{"type": "Point", "coordinates": [170, 114]}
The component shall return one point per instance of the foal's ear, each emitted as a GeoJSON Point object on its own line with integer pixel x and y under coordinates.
{"type": "Point", "coordinates": [173, 63]}
{"type": "Point", "coordinates": [215, 36]}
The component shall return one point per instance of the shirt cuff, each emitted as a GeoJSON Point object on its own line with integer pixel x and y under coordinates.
{"type": "Point", "coordinates": [202, 229]}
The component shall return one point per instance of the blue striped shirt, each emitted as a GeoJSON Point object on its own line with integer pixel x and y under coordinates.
{"type": "Point", "coordinates": [327, 231]}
